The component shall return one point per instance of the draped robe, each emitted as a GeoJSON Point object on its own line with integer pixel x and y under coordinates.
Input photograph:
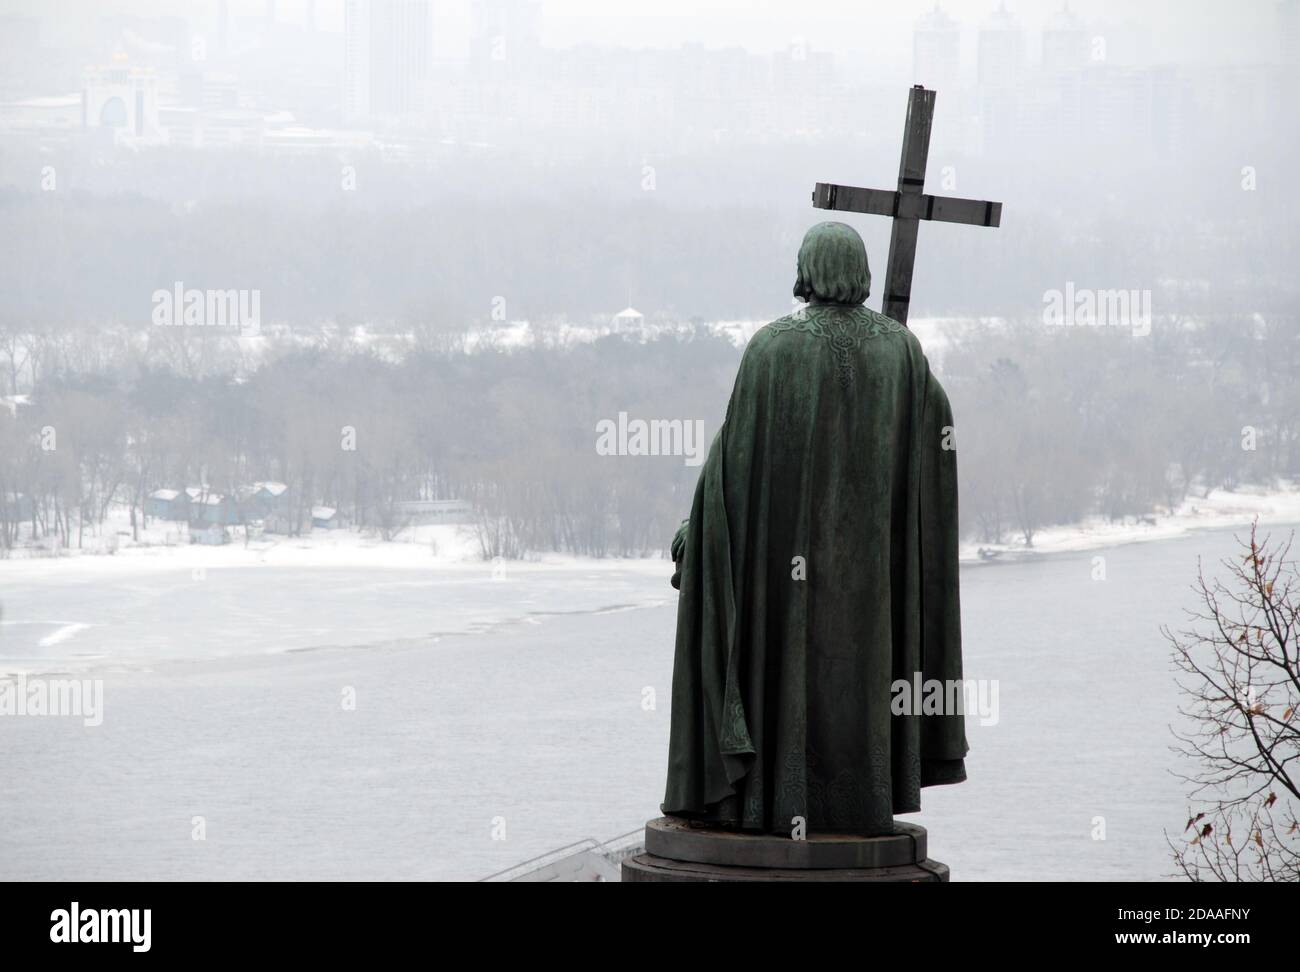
{"type": "Point", "coordinates": [818, 568]}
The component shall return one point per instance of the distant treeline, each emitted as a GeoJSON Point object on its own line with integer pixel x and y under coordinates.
{"type": "Point", "coordinates": [1053, 424]}
{"type": "Point", "coordinates": [513, 433]}
{"type": "Point", "coordinates": [1056, 423]}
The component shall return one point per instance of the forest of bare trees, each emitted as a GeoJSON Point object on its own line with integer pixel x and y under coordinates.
{"type": "Point", "coordinates": [1059, 423]}
{"type": "Point", "coordinates": [1053, 424]}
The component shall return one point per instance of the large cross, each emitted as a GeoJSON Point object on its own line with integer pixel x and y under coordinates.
{"type": "Point", "coordinates": [907, 204]}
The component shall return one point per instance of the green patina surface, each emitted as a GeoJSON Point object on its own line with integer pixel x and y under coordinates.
{"type": "Point", "coordinates": [818, 567]}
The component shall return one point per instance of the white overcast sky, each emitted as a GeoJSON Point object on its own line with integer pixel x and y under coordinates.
{"type": "Point", "coordinates": [1180, 30]}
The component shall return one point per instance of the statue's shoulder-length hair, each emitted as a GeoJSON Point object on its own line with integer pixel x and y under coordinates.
{"type": "Point", "coordinates": [832, 266]}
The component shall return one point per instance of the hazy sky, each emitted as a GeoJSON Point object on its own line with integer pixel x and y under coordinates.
{"type": "Point", "coordinates": [1204, 30]}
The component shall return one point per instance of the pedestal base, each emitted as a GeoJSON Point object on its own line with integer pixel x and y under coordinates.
{"type": "Point", "coordinates": [676, 850]}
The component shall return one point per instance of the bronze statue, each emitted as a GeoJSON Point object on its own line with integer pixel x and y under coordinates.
{"type": "Point", "coordinates": [818, 572]}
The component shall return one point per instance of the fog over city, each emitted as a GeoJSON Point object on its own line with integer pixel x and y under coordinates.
{"type": "Point", "coordinates": [664, 142]}
{"type": "Point", "coordinates": [357, 289]}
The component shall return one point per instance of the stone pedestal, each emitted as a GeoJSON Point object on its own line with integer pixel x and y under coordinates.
{"type": "Point", "coordinates": [676, 850]}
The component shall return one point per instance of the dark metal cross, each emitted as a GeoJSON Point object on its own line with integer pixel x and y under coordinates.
{"type": "Point", "coordinates": [907, 204]}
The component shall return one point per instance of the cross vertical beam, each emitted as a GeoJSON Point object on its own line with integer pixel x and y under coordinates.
{"type": "Point", "coordinates": [911, 181]}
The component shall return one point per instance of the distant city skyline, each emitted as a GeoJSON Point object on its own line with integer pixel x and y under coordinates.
{"type": "Point", "coordinates": [870, 39]}
{"type": "Point", "coordinates": [247, 73]}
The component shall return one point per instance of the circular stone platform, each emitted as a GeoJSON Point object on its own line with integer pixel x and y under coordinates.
{"type": "Point", "coordinates": [679, 850]}
{"type": "Point", "coordinates": [682, 841]}
{"type": "Point", "coordinates": [647, 868]}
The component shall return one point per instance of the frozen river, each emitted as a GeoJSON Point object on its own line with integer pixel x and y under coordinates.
{"type": "Point", "coordinates": [499, 718]}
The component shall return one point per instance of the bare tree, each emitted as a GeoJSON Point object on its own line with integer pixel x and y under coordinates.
{"type": "Point", "coordinates": [15, 350]}
{"type": "Point", "coordinates": [1241, 665]}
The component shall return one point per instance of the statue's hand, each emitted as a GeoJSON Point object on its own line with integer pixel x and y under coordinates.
{"type": "Point", "coordinates": [678, 549]}
{"type": "Point", "coordinates": [679, 541]}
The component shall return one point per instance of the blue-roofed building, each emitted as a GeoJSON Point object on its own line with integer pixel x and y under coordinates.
{"type": "Point", "coordinates": [168, 504]}
{"type": "Point", "coordinates": [216, 509]}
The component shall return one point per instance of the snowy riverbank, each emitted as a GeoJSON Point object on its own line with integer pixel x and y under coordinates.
{"type": "Point", "coordinates": [456, 546]}
{"type": "Point", "coordinates": [1217, 511]}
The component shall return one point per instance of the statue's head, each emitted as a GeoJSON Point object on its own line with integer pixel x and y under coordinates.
{"type": "Point", "coordinates": [833, 266]}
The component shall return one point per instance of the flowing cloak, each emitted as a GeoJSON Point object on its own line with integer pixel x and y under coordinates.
{"type": "Point", "coordinates": [819, 567]}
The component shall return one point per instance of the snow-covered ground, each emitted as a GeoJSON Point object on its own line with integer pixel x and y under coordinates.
{"type": "Point", "coordinates": [1219, 510]}
{"type": "Point", "coordinates": [112, 549]}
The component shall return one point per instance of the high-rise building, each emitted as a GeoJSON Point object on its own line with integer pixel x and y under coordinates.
{"type": "Point", "coordinates": [936, 51]}
{"type": "Point", "coordinates": [1065, 42]}
{"type": "Point", "coordinates": [356, 59]}
{"type": "Point", "coordinates": [387, 54]}
{"type": "Point", "coordinates": [1001, 50]}
{"type": "Point", "coordinates": [1001, 53]}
